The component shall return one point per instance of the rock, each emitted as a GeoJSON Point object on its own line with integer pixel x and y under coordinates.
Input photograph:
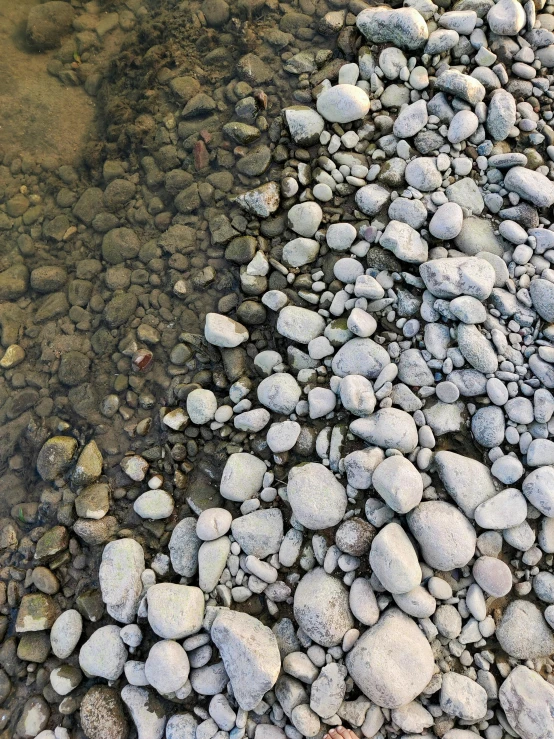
{"type": "Point", "coordinates": [212, 558]}
{"type": "Point", "coordinates": [55, 456]}
{"type": "Point", "coordinates": [507, 509]}
{"type": "Point", "coordinates": [446, 538]}
{"type": "Point", "coordinates": [523, 633]}
{"type": "Point", "coordinates": [154, 505]}
{"type": "Point", "coordinates": [317, 498]}
{"type": "Point", "coordinates": [539, 491]}
{"type": "Point", "coordinates": [542, 295]}
{"type": "Point", "coordinates": [360, 356]}
{"type": "Point", "coordinates": [321, 608]}
{"type": "Point", "coordinates": [354, 537]}
{"type": "Point", "coordinates": [411, 120]}
{"type": "Point", "coordinates": [175, 611]}
{"type": "Point", "coordinates": [181, 726]}
{"type": "Point", "coordinates": [422, 173]}
{"type": "Point", "coordinates": [37, 612]}
{"type": "Point", "coordinates": [147, 712]}
{"type": "Point", "coordinates": [242, 477]}
{"type": "Point", "coordinates": [399, 483]}
{"type": "Point", "coordinates": [389, 428]}
{"type": "Point", "coordinates": [216, 12]}
{"type": "Point", "coordinates": [89, 465]}
{"type": "Point", "coordinates": [370, 199]}
{"type": "Point", "coordinates": [301, 251]}
{"type": "Point", "coordinates": [183, 547]}
{"type": "Point", "coordinates": [223, 331]}
{"type": "Point", "coordinates": [103, 654]}
{"type": "Point", "coordinates": [477, 349]}
{"type": "Point", "coordinates": [461, 85]}
{"type": "Point", "coordinates": [493, 576]}
{"type": "Point", "coordinates": [305, 218]}
{"type": "Point", "coordinates": [260, 533]}
{"type": "Point", "coordinates": [65, 633]}
{"type": "Point", "coordinates": [392, 661]}
{"type": "Point", "coordinates": [167, 666]}
{"type": "Point", "coordinates": [447, 222]}
{"type": "Point", "coordinates": [506, 18]}
{"type": "Point", "coordinates": [250, 654]}
{"type": "Point", "coordinates": [449, 278]}
{"type": "Point", "coordinates": [404, 242]}
{"type": "Point", "coordinates": [477, 235]}
{"type": "Point", "coordinates": [48, 23]}
{"type": "Point", "coordinates": [120, 578]}
{"type": "Point", "coordinates": [279, 392]}
{"type": "Point", "coordinates": [102, 715]}
{"type": "Point", "coordinates": [394, 560]}
{"type": "Point", "coordinates": [262, 201]}
{"type": "Point", "coordinates": [93, 502]}
{"type": "Point", "coordinates": [462, 697]}
{"type": "Point", "coordinates": [327, 692]}
{"type": "Point", "coordinates": [201, 406]}
{"type": "Point", "coordinates": [403, 27]}
{"type": "Point", "coordinates": [343, 103]}
{"type": "Point", "coordinates": [213, 523]}
{"type": "Point", "coordinates": [531, 185]}
{"type": "Point", "coordinates": [300, 324]}
{"type": "Point", "coordinates": [305, 124]}
{"type": "Point", "coordinates": [528, 702]}
{"type": "Point", "coordinates": [120, 244]}
{"type": "Point", "coordinates": [363, 602]}
{"type": "Point", "coordinates": [34, 717]}
{"type": "Point", "coordinates": [466, 480]}
{"type": "Point", "coordinates": [501, 114]}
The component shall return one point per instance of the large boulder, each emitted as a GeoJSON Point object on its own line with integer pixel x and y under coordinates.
{"type": "Point", "coordinates": [528, 702]}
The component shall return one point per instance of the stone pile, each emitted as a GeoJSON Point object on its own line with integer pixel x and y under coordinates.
{"type": "Point", "coordinates": [391, 505]}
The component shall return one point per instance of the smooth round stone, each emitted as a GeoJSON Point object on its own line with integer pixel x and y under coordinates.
{"type": "Point", "coordinates": [357, 396]}
{"type": "Point", "coordinates": [391, 61]}
{"type": "Point", "coordinates": [447, 392]}
{"type": "Point", "coordinates": [167, 666]}
{"type": "Point", "coordinates": [347, 270]}
{"type": "Point", "coordinates": [394, 560]}
{"type": "Point", "coordinates": [523, 633]}
{"type": "Point", "coordinates": [411, 120]}
{"type": "Point", "coordinates": [317, 498]}
{"type": "Point", "coordinates": [422, 173]}
{"type": "Point", "coordinates": [104, 654]}
{"type": "Point", "coordinates": [506, 18]}
{"type": "Point", "coordinates": [446, 537]}
{"type": "Point", "coordinates": [322, 192]}
{"type": "Point", "coordinates": [448, 621]}
{"type": "Point", "coordinates": [340, 236]}
{"type": "Point", "coordinates": [543, 585]}
{"type": "Point", "coordinates": [66, 632]}
{"type": "Point", "coordinates": [223, 331]}
{"type": "Point", "coordinates": [538, 488]}
{"type": "Point", "coordinates": [321, 608]}
{"type": "Point", "coordinates": [417, 603]}
{"type": "Point", "coordinates": [399, 483]}
{"type": "Point", "coordinates": [497, 391]}
{"type": "Point", "coordinates": [300, 324]}
{"type": "Point", "coordinates": [305, 124]}
{"type": "Point", "coordinates": [213, 523]}
{"type": "Point", "coordinates": [242, 477]}
{"type": "Point", "coordinates": [300, 251]}
{"type": "Point", "coordinates": [412, 212]}
{"type": "Point", "coordinates": [304, 218]}
{"type": "Point", "coordinates": [363, 602]}
{"type": "Point", "coordinates": [439, 588]}
{"type": "Point", "coordinates": [446, 223]}
{"type": "Point", "coordinates": [154, 505]}
{"type": "Point", "coordinates": [507, 469]}
{"type": "Point", "coordinates": [343, 104]}
{"type": "Point", "coordinates": [371, 198]}
{"type": "Point", "coordinates": [281, 437]}
{"type": "Point", "coordinates": [462, 126]}
{"type": "Point", "coordinates": [391, 662]}
{"type": "Point", "coordinates": [279, 392]}
{"type": "Point", "coordinates": [468, 310]}
{"type": "Point", "coordinates": [493, 576]}
{"type": "Point", "coordinates": [488, 425]}
{"type": "Point", "coordinates": [503, 511]}
{"type": "Point", "coordinates": [201, 406]}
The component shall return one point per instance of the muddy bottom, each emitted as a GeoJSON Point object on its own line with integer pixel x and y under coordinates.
{"type": "Point", "coordinates": [39, 116]}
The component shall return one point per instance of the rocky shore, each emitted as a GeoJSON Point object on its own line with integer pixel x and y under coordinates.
{"type": "Point", "coordinates": [280, 350]}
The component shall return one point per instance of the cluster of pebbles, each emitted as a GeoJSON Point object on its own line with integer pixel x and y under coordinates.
{"type": "Point", "coordinates": [381, 548]}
